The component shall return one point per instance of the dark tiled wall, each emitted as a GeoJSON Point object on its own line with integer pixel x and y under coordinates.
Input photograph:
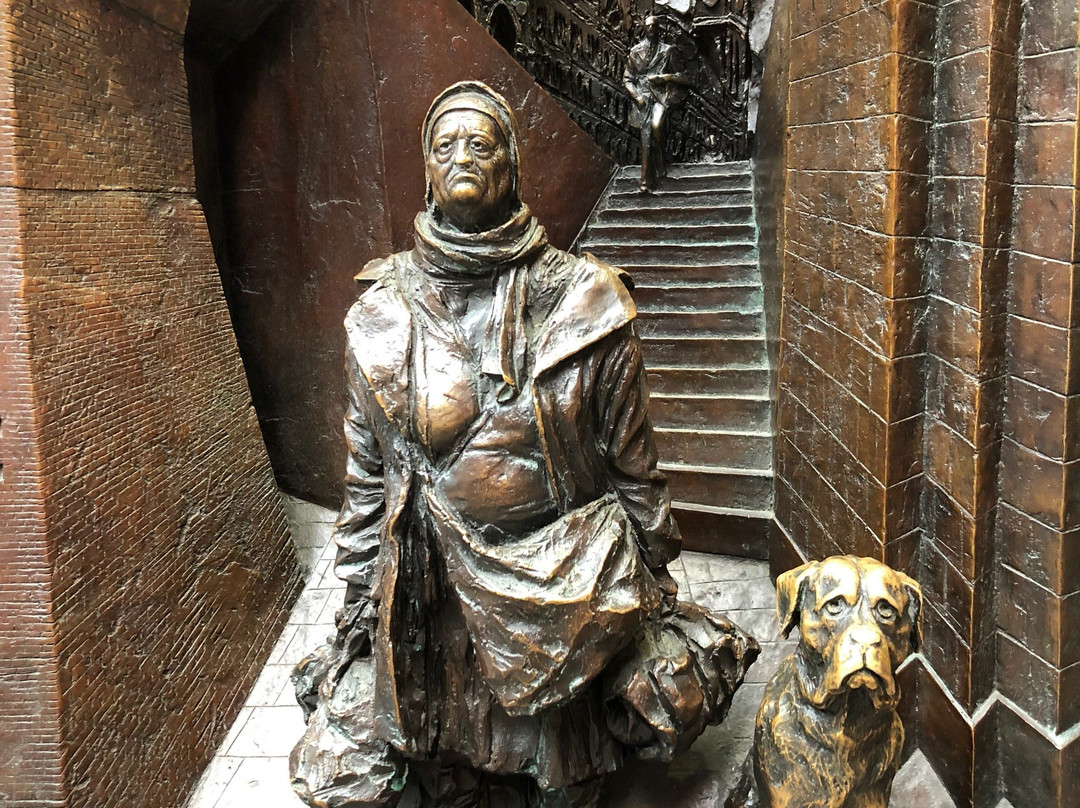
{"type": "Point", "coordinates": [972, 149]}
{"type": "Point", "coordinates": [974, 133]}
{"type": "Point", "coordinates": [929, 379]}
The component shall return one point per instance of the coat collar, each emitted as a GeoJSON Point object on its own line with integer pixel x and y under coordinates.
{"type": "Point", "coordinates": [595, 303]}
{"type": "Point", "coordinates": [379, 331]}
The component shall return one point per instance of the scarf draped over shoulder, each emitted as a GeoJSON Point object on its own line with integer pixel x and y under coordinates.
{"type": "Point", "coordinates": [502, 253]}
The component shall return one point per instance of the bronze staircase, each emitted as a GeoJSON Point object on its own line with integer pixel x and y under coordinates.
{"type": "Point", "coordinates": [691, 248]}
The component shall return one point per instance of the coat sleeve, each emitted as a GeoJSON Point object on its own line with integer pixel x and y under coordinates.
{"type": "Point", "coordinates": [359, 525]}
{"type": "Point", "coordinates": [626, 441]}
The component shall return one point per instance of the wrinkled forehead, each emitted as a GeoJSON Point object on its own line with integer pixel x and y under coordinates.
{"type": "Point", "coordinates": [851, 577]}
{"type": "Point", "coordinates": [838, 575]}
{"type": "Point", "coordinates": [472, 121]}
{"type": "Point", "coordinates": [880, 582]}
{"type": "Point", "coordinates": [473, 99]}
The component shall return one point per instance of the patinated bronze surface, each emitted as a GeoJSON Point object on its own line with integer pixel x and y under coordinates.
{"type": "Point", "coordinates": [827, 733]}
{"type": "Point", "coordinates": [577, 49]}
{"type": "Point", "coordinates": [510, 626]}
{"type": "Point", "coordinates": [653, 80]}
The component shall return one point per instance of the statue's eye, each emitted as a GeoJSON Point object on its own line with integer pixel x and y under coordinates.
{"type": "Point", "coordinates": [481, 148]}
{"type": "Point", "coordinates": [444, 147]}
{"type": "Point", "coordinates": [886, 612]}
{"type": "Point", "coordinates": [835, 606]}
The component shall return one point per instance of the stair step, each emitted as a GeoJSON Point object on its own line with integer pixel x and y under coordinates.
{"type": "Point", "coordinates": [717, 486]}
{"type": "Point", "coordinates": [703, 351]}
{"type": "Point", "coordinates": [739, 181]}
{"type": "Point", "coordinates": [717, 324]}
{"type": "Point", "coordinates": [677, 255]}
{"type": "Point", "coordinates": [714, 381]}
{"type": "Point", "coordinates": [731, 273]}
{"type": "Point", "coordinates": [670, 235]}
{"type": "Point", "coordinates": [753, 413]}
{"type": "Point", "coordinates": [742, 297]}
{"type": "Point", "coordinates": [712, 447]}
{"type": "Point", "coordinates": [724, 531]}
{"type": "Point", "coordinates": [662, 217]}
{"type": "Point", "coordinates": [690, 200]}
{"type": "Point", "coordinates": [678, 170]}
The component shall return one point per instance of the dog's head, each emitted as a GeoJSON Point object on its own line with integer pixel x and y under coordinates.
{"type": "Point", "coordinates": [858, 620]}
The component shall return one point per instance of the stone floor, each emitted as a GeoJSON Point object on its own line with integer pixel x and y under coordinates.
{"type": "Point", "coordinates": [250, 769]}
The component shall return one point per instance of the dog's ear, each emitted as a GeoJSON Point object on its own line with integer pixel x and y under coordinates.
{"type": "Point", "coordinates": [914, 609]}
{"type": "Point", "coordinates": [789, 590]}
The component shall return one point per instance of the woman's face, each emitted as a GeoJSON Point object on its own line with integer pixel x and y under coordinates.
{"type": "Point", "coordinates": [469, 169]}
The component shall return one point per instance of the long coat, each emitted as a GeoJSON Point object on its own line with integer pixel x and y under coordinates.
{"type": "Point", "coordinates": [588, 384]}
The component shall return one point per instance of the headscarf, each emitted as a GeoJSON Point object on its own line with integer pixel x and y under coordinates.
{"type": "Point", "coordinates": [502, 251]}
{"type": "Point", "coordinates": [454, 253]}
{"type": "Point", "coordinates": [475, 96]}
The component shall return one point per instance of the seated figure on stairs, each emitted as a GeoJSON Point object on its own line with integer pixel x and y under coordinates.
{"type": "Point", "coordinates": [505, 534]}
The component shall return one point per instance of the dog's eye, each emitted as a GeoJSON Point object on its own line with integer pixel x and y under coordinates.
{"type": "Point", "coordinates": [885, 611]}
{"type": "Point", "coordinates": [835, 606]}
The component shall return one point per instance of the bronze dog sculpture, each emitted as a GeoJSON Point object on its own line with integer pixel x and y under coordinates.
{"type": "Point", "coordinates": [827, 734]}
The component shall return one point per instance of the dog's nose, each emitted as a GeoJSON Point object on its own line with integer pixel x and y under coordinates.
{"type": "Point", "coordinates": [866, 637]}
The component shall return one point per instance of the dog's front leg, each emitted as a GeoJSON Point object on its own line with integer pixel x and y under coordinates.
{"type": "Point", "coordinates": [796, 769]}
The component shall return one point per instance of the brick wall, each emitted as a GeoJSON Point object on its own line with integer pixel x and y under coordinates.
{"type": "Point", "coordinates": [852, 353]}
{"type": "Point", "coordinates": [31, 757]}
{"type": "Point", "coordinates": [928, 367]}
{"type": "Point", "coordinates": [137, 504]}
{"type": "Point", "coordinates": [1039, 517]}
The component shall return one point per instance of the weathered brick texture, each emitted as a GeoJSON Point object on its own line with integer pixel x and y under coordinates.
{"type": "Point", "coordinates": [929, 379]}
{"type": "Point", "coordinates": [145, 563]}
{"type": "Point", "coordinates": [852, 345]}
{"type": "Point", "coordinates": [30, 746]}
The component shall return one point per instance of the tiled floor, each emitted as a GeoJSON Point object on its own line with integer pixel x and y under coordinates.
{"type": "Point", "coordinates": [250, 769]}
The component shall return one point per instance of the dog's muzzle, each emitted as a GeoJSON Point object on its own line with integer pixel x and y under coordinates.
{"type": "Point", "coordinates": [861, 659]}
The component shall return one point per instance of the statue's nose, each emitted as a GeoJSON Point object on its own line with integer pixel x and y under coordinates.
{"type": "Point", "coordinates": [866, 637]}
{"type": "Point", "coordinates": [462, 153]}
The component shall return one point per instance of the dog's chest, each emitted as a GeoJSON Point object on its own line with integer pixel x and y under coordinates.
{"type": "Point", "coordinates": [859, 751]}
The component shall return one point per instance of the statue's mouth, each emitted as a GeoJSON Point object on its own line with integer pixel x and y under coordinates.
{"type": "Point", "coordinates": [865, 678]}
{"type": "Point", "coordinates": [877, 688]}
{"type": "Point", "coordinates": [465, 176]}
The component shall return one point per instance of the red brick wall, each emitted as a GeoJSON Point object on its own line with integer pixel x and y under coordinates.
{"type": "Point", "coordinates": [137, 502]}
{"type": "Point", "coordinates": [31, 757]}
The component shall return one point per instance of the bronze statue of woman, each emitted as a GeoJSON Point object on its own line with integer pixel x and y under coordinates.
{"type": "Point", "coordinates": [505, 534]}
